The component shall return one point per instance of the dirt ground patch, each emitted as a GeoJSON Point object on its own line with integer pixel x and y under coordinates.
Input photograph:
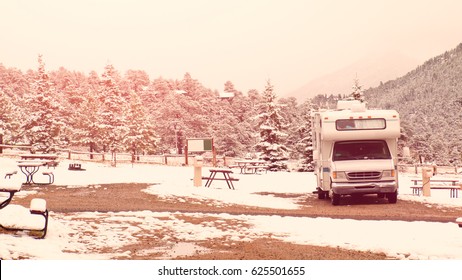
{"type": "Point", "coordinates": [130, 197]}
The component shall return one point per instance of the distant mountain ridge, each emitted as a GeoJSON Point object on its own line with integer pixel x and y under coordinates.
{"type": "Point", "coordinates": [370, 71]}
{"type": "Point", "coordinates": [429, 101]}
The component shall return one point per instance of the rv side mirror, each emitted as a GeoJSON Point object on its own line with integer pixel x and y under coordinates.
{"type": "Point", "coordinates": [315, 155]}
{"type": "Point", "coordinates": [406, 152]}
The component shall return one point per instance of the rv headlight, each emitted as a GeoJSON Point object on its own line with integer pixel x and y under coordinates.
{"type": "Point", "coordinates": [388, 173]}
{"type": "Point", "coordinates": [339, 175]}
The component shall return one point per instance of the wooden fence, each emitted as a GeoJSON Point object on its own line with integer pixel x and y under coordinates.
{"type": "Point", "coordinates": [163, 159]}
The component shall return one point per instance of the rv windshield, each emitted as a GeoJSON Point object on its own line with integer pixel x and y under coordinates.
{"type": "Point", "coordinates": [360, 150]}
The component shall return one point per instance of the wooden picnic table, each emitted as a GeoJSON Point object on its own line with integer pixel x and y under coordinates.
{"type": "Point", "coordinates": [453, 188]}
{"type": "Point", "coordinates": [251, 165]}
{"type": "Point", "coordinates": [52, 159]}
{"type": "Point", "coordinates": [31, 167]}
{"type": "Point", "coordinates": [226, 176]}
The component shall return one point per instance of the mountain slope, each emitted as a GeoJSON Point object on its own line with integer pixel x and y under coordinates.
{"type": "Point", "coordinates": [429, 100]}
{"type": "Point", "coordinates": [370, 71]}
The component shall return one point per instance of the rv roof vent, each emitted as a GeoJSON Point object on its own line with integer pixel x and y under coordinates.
{"type": "Point", "coordinates": [346, 104]}
{"type": "Point", "coordinates": [359, 107]}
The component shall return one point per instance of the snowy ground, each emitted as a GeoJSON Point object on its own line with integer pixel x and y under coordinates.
{"type": "Point", "coordinates": [67, 238]}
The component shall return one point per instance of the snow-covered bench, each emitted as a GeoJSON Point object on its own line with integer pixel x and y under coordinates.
{"type": "Point", "coordinates": [38, 206]}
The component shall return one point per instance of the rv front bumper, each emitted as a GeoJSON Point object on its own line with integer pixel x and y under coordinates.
{"type": "Point", "coordinates": [344, 188]}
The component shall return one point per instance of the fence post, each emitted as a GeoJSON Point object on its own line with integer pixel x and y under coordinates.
{"type": "Point", "coordinates": [186, 155]}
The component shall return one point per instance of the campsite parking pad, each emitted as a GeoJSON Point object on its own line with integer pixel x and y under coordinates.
{"type": "Point", "coordinates": [130, 197]}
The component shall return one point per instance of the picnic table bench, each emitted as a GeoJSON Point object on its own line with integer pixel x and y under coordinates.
{"type": "Point", "coordinates": [226, 176]}
{"type": "Point", "coordinates": [453, 187]}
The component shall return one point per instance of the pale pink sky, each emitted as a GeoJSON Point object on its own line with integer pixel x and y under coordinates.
{"type": "Point", "coordinates": [247, 42]}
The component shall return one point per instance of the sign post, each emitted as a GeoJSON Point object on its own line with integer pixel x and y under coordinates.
{"type": "Point", "coordinates": [200, 145]}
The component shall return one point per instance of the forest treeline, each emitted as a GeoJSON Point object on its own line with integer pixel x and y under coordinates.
{"type": "Point", "coordinates": [132, 112]}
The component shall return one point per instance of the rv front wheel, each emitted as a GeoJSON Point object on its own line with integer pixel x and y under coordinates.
{"type": "Point", "coordinates": [392, 197]}
{"type": "Point", "coordinates": [335, 199]}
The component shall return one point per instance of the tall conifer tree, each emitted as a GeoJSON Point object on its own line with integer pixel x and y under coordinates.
{"type": "Point", "coordinates": [271, 126]}
{"type": "Point", "coordinates": [112, 123]}
{"type": "Point", "coordinates": [43, 123]}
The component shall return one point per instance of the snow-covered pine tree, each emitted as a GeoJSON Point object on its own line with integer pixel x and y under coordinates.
{"type": "Point", "coordinates": [86, 126]}
{"type": "Point", "coordinates": [141, 135]}
{"type": "Point", "coordinates": [357, 91]}
{"type": "Point", "coordinates": [305, 146]}
{"type": "Point", "coordinates": [112, 123]}
{"type": "Point", "coordinates": [271, 125]}
{"type": "Point", "coordinates": [43, 123]}
{"type": "Point", "coordinates": [7, 117]}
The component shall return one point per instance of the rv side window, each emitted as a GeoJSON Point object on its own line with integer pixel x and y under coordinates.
{"type": "Point", "coordinates": [360, 150]}
{"type": "Point", "coordinates": [360, 124]}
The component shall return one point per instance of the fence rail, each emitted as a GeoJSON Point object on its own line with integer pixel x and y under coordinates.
{"type": "Point", "coordinates": [437, 169]}
{"type": "Point", "coordinates": [163, 159]}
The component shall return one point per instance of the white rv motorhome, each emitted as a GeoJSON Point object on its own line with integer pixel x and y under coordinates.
{"type": "Point", "coordinates": [355, 151]}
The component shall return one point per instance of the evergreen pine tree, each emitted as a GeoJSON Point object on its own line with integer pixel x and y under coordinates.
{"type": "Point", "coordinates": [141, 135]}
{"type": "Point", "coordinates": [272, 137]}
{"type": "Point", "coordinates": [7, 117]}
{"type": "Point", "coordinates": [304, 133]}
{"type": "Point", "coordinates": [43, 126]}
{"type": "Point", "coordinates": [112, 124]}
{"type": "Point", "coordinates": [358, 92]}
{"type": "Point", "coordinates": [86, 126]}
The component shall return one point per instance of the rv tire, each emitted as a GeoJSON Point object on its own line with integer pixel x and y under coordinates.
{"type": "Point", "coordinates": [321, 194]}
{"type": "Point", "coordinates": [335, 199]}
{"type": "Point", "coordinates": [392, 197]}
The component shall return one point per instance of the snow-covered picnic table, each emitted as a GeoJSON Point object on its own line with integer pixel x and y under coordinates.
{"type": "Point", "coordinates": [51, 159]}
{"type": "Point", "coordinates": [31, 167]}
{"type": "Point", "coordinates": [453, 188]}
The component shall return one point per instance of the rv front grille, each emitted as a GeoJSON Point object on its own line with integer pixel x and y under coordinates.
{"type": "Point", "coordinates": [366, 175]}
